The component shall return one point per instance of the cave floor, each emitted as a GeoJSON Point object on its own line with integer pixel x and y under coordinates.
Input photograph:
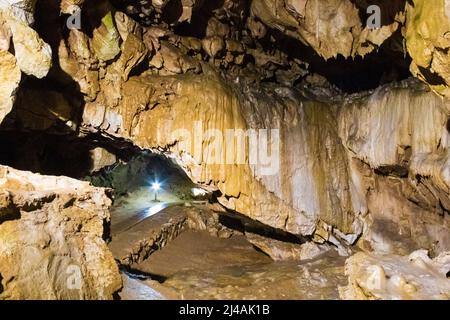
{"type": "Point", "coordinates": [197, 265]}
{"type": "Point", "coordinates": [138, 206]}
{"type": "Point", "coordinates": [181, 263]}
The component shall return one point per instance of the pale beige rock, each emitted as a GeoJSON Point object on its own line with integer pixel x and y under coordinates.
{"type": "Point", "coordinates": [318, 187]}
{"type": "Point", "coordinates": [68, 6]}
{"type": "Point", "coordinates": [55, 248]}
{"type": "Point", "coordinates": [133, 52]}
{"type": "Point", "coordinates": [5, 35]}
{"type": "Point", "coordinates": [171, 57]}
{"type": "Point", "coordinates": [22, 9]}
{"type": "Point", "coordinates": [321, 187]}
{"type": "Point", "coordinates": [94, 114]}
{"type": "Point", "coordinates": [370, 169]}
{"type": "Point", "coordinates": [213, 45]}
{"type": "Point", "coordinates": [138, 125]}
{"type": "Point", "coordinates": [10, 76]}
{"type": "Point", "coordinates": [282, 250]}
{"type": "Point", "coordinates": [7, 208]}
{"type": "Point", "coordinates": [126, 25]}
{"type": "Point", "coordinates": [34, 56]}
{"type": "Point", "coordinates": [401, 131]}
{"type": "Point", "coordinates": [75, 59]}
{"type": "Point", "coordinates": [101, 158]}
{"type": "Point", "coordinates": [390, 277]}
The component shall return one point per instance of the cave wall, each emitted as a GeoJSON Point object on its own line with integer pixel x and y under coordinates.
{"type": "Point", "coordinates": [369, 169]}
{"type": "Point", "coordinates": [336, 159]}
{"type": "Point", "coordinates": [141, 81]}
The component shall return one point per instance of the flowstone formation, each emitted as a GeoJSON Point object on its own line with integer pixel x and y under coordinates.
{"type": "Point", "coordinates": [297, 114]}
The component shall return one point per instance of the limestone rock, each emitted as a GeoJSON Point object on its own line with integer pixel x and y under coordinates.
{"type": "Point", "coordinates": [76, 60]}
{"type": "Point", "coordinates": [331, 27]}
{"type": "Point", "coordinates": [34, 56]}
{"type": "Point", "coordinates": [400, 131]}
{"type": "Point", "coordinates": [5, 35]}
{"type": "Point", "coordinates": [213, 45]}
{"type": "Point", "coordinates": [101, 158]}
{"type": "Point", "coordinates": [126, 25]}
{"type": "Point", "coordinates": [22, 9]}
{"type": "Point", "coordinates": [105, 41]}
{"type": "Point", "coordinates": [8, 210]}
{"type": "Point", "coordinates": [336, 158]}
{"type": "Point", "coordinates": [318, 187]}
{"type": "Point", "coordinates": [281, 250]}
{"type": "Point", "coordinates": [427, 41]}
{"type": "Point", "coordinates": [391, 277]}
{"type": "Point", "coordinates": [9, 82]}
{"type": "Point", "coordinates": [53, 246]}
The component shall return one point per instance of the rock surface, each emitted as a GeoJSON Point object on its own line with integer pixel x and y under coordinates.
{"type": "Point", "coordinates": [427, 41]}
{"type": "Point", "coordinates": [134, 243]}
{"type": "Point", "coordinates": [367, 169]}
{"type": "Point", "coordinates": [389, 277]}
{"type": "Point", "coordinates": [32, 55]}
{"type": "Point", "coordinates": [332, 27]}
{"type": "Point", "coordinates": [281, 250]}
{"type": "Point", "coordinates": [52, 245]}
{"type": "Point", "coordinates": [10, 79]}
{"type": "Point", "coordinates": [160, 83]}
{"type": "Point", "coordinates": [321, 187]}
{"type": "Point", "coordinates": [147, 84]}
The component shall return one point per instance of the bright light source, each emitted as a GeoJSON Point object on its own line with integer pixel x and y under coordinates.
{"type": "Point", "coordinates": [156, 186]}
{"type": "Point", "coordinates": [198, 192]}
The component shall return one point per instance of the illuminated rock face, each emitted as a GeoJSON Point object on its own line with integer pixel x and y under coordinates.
{"type": "Point", "coordinates": [157, 89]}
{"type": "Point", "coordinates": [32, 55]}
{"type": "Point", "coordinates": [335, 28]}
{"type": "Point", "coordinates": [402, 133]}
{"type": "Point", "coordinates": [324, 182]}
{"type": "Point", "coordinates": [288, 192]}
{"type": "Point", "coordinates": [52, 244]}
{"type": "Point", "coordinates": [369, 169]}
{"type": "Point", "coordinates": [428, 24]}
{"type": "Point", "coordinates": [10, 77]}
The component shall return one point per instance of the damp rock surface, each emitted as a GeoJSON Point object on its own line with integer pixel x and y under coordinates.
{"type": "Point", "coordinates": [199, 266]}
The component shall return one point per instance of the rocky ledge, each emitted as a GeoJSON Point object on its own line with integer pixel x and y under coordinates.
{"type": "Point", "coordinates": [52, 233]}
